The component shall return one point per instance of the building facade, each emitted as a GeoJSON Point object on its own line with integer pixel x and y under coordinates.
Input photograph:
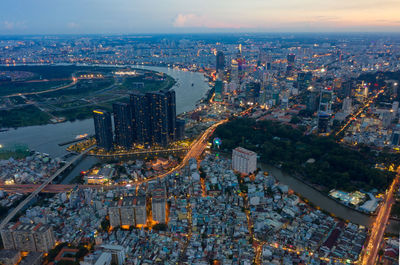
{"type": "Point", "coordinates": [243, 160]}
{"type": "Point", "coordinates": [103, 129]}
{"type": "Point", "coordinates": [123, 125]}
{"type": "Point", "coordinates": [28, 237]}
{"type": "Point", "coordinates": [220, 61]}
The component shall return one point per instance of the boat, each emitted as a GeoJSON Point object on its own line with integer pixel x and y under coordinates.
{"type": "Point", "coordinates": [81, 136]}
{"type": "Point", "coordinates": [192, 84]}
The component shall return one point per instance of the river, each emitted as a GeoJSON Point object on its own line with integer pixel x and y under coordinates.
{"type": "Point", "coordinates": [47, 137]}
{"type": "Point", "coordinates": [324, 202]}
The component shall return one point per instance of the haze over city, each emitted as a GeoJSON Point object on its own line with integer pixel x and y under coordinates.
{"type": "Point", "coordinates": [224, 132]}
{"type": "Point", "coordinates": [180, 16]}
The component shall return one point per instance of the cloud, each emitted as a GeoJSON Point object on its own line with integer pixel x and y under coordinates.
{"type": "Point", "coordinates": [73, 25]}
{"type": "Point", "coordinates": [12, 25]}
{"type": "Point", "coordinates": [200, 21]}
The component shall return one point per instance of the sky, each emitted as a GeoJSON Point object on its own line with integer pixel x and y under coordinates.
{"type": "Point", "coordinates": [200, 16]}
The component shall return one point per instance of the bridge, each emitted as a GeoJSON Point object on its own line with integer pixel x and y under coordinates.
{"type": "Point", "coordinates": [40, 188]}
{"type": "Point", "coordinates": [51, 188]}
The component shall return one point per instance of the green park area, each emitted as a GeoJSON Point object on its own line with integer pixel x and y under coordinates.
{"type": "Point", "coordinates": [151, 82]}
{"type": "Point", "coordinates": [73, 101]}
{"type": "Point", "coordinates": [319, 161]}
{"type": "Point", "coordinates": [24, 116]}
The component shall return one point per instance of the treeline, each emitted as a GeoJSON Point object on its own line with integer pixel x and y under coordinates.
{"type": "Point", "coordinates": [25, 116]}
{"type": "Point", "coordinates": [335, 166]}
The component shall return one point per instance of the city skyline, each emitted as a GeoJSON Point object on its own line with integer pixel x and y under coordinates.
{"type": "Point", "coordinates": [126, 17]}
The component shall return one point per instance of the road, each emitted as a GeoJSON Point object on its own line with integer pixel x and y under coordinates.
{"type": "Point", "coordinates": [358, 112]}
{"type": "Point", "coordinates": [39, 189]}
{"type": "Point", "coordinates": [51, 188]}
{"type": "Point", "coordinates": [195, 151]}
{"type": "Point", "coordinates": [145, 152]}
{"type": "Point", "coordinates": [74, 81]}
{"type": "Point", "coordinates": [378, 227]}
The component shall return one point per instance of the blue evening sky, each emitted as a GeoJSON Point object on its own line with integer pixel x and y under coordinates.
{"type": "Point", "coordinates": [180, 16]}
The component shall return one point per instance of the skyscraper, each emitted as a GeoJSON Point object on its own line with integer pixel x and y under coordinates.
{"type": "Point", "coordinates": [323, 122]}
{"type": "Point", "coordinates": [103, 129]}
{"type": "Point", "coordinates": [154, 117]}
{"type": "Point", "coordinates": [180, 129]}
{"type": "Point", "coordinates": [304, 80]}
{"type": "Point", "coordinates": [253, 92]}
{"type": "Point", "coordinates": [218, 90]}
{"type": "Point", "coordinates": [290, 63]}
{"type": "Point", "coordinates": [140, 119]}
{"type": "Point", "coordinates": [123, 125]}
{"type": "Point", "coordinates": [220, 64]}
{"type": "Point", "coordinates": [158, 115]}
{"type": "Point", "coordinates": [346, 106]}
{"type": "Point", "coordinates": [171, 114]}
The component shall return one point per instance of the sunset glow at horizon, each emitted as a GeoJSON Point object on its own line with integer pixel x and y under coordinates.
{"type": "Point", "coordinates": [179, 16]}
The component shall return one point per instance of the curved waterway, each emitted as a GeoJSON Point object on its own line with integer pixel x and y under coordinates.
{"type": "Point", "coordinates": [190, 88]}
{"type": "Point", "coordinates": [45, 138]}
{"type": "Point", "coordinates": [324, 202]}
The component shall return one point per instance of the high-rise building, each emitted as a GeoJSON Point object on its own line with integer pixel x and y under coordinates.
{"type": "Point", "coordinates": [140, 119]}
{"type": "Point", "coordinates": [290, 63]}
{"type": "Point", "coordinates": [325, 101]}
{"type": "Point", "coordinates": [218, 87]}
{"type": "Point", "coordinates": [312, 102]}
{"type": "Point", "coordinates": [346, 107]}
{"type": "Point", "coordinates": [158, 205]}
{"type": "Point", "coordinates": [114, 214]}
{"type": "Point", "coordinates": [171, 112]}
{"type": "Point", "coordinates": [154, 117]}
{"type": "Point", "coordinates": [28, 237]}
{"type": "Point", "coordinates": [128, 211]}
{"type": "Point", "coordinates": [304, 80]}
{"type": "Point", "coordinates": [323, 122]}
{"type": "Point", "coordinates": [158, 115]}
{"type": "Point", "coordinates": [180, 129]}
{"type": "Point", "coordinates": [140, 211]}
{"type": "Point", "coordinates": [252, 92]}
{"type": "Point", "coordinates": [103, 129]}
{"type": "Point", "coordinates": [395, 138]}
{"type": "Point", "coordinates": [243, 160]}
{"type": "Point", "coordinates": [123, 125]}
{"type": "Point", "coordinates": [220, 64]}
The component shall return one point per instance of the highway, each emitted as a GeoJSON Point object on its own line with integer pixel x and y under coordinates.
{"type": "Point", "coordinates": [39, 189]}
{"type": "Point", "coordinates": [378, 227]}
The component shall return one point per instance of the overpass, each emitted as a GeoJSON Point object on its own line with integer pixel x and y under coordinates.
{"type": "Point", "coordinates": [40, 188]}
{"type": "Point", "coordinates": [51, 188]}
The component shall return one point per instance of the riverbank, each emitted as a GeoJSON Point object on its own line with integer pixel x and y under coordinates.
{"type": "Point", "coordinates": [324, 202]}
{"type": "Point", "coordinates": [83, 95]}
